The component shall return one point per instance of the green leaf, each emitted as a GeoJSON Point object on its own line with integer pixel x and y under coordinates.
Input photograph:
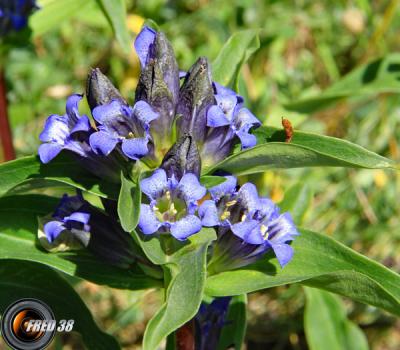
{"type": "Point", "coordinates": [379, 76]}
{"type": "Point", "coordinates": [29, 173]}
{"type": "Point", "coordinates": [319, 261]}
{"type": "Point", "coordinates": [21, 279]}
{"type": "Point", "coordinates": [129, 201]}
{"type": "Point", "coordinates": [326, 324]}
{"type": "Point", "coordinates": [305, 150]}
{"type": "Point", "coordinates": [18, 240]}
{"type": "Point", "coordinates": [297, 201]}
{"type": "Point", "coordinates": [237, 50]}
{"type": "Point", "coordinates": [211, 181]}
{"type": "Point", "coordinates": [53, 12]}
{"type": "Point", "coordinates": [185, 269]}
{"type": "Point", "coordinates": [234, 330]}
{"type": "Point", "coordinates": [115, 11]}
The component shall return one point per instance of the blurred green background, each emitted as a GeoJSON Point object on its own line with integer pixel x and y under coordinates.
{"type": "Point", "coordinates": [306, 47]}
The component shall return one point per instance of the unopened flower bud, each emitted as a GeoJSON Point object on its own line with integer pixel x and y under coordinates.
{"type": "Point", "coordinates": [100, 90]}
{"type": "Point", "coordinates": [183, 157]}
{"type": "Point", "coordinates": [196, 96]}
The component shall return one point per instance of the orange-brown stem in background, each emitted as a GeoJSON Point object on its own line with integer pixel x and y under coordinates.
{"type": "Point", "coordinates": [5, 130]}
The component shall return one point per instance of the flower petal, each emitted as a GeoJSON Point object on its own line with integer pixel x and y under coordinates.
{"type": "Point", "coordinates": [216, 117]}
{"type": "Point", "coordinates": [48, 151]}
{"type": "Point", "coordinates": [190, 188]}
{"type": "Point", "coordinates": [248, 197]}
{"type": "Point", "coordinates": [144, 113]}
{"type": "Point", "coordinates": [283, 253]}
{"type": "Point", "coordinates": [209, 214]}
{"type": "Point", "coordinates": [55, 129]}
{"type": "Point", "coordinates": [52, 229]}
{"type": "Point", "coordinates": [148, 222]}
{"type": "Point", "coordinates": [247, 140]}
{"type": "Point", "coordinates": [185, 227]}
{"type": "Point", "coordinates": [249, 231]}
{"type": "Point", "coordinates": [282, 229]}
{"type": "Point", "coordinates": [155, 185]}
{"type": "Point", "coordinates": [107, 114]}
{"type": "Point", "coordinates": [227, 103]}
{"type": "Point", "coordinates": [102, 142]}
{"type": "Point", "coordinates": [222, 90]}
{"type": "Point", "coordinates": [79, 217]}
{"type": "Point", "coordinates": [227, 187]}
{"type": "Point", "coordinates": [72, 106]}
{"type": "Point", "coordinates": [83, 124]}
{"type": "Point", "coordinates": [245, 117]}
{"type": "Point", "coordinates": [142, 44]}
{"type": "Point", "coordinates": [135, 148]}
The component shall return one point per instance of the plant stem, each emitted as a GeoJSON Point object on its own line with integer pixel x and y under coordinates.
{"type": "Point", "coordinates": [185, 337]}
{"type": "Point", "coordinates": [5, 130]}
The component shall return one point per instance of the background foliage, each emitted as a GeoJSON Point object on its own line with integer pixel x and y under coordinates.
{"type": "Point", "coordinates": [306, 48]}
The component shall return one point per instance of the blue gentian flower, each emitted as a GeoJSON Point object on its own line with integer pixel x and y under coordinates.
{"type": "Point", "coordinates": [230, 114]}
{"type": "Point", "coordinates": [121, 124]}
{"type": "Point", "coordinates": [248, 225]}
{"type": "Point", "coordinates": [209, 321]}
{"type": "Point", "coordinates": [70, 215]}
{"type": "Point", "coordinates": [172, 206]}
{"type": "Point", "coordinates": [68, 131]}
{"type": "Point", "coordinates": [14, 14]}
{"type": "Point", "coordinates": [77, 220]}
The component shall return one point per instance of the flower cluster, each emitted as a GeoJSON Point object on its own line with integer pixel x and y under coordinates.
{"type": "Point", "coordinates": [173, 128]}
{"type": "Point", "coordinates": [14, 14]}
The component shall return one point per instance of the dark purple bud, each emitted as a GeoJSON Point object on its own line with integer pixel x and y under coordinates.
{"type": "Point", "coordinates": [183, 157]}
{"type": "Point", "coordinates": [210, 321]}
{"type": "Point", "coordinates": [100, 90]}
{"type": "Point", "coordinates": [196, 96]}
{"type": "Point", "coordinates": [159, 84]}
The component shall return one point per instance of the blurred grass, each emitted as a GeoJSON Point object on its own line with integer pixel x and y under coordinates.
{"type": "Point", "coordinates": [306, 46]}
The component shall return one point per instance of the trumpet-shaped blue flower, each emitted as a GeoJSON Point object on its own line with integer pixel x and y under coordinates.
{"type": "Point", "coordinates": [78, 220]}
{"type": "Point", "coordinates": [230, 113]}
{"type": "Point", "coordinates": [121, 124]}
{"type": "Point", "coordinates": [70, 215]}
{"type": "Point", "coordinates": [172, 206]}
{"type": "Point", "coordinates": [256, 223]}
{"type": "Point", "coordinates": [69, 131]}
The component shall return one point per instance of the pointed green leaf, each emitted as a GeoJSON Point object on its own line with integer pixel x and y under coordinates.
{"type": "Point", "coordinates": [28, 173]}
{"type": "Point", "coordinates": [319, 261]}
{"type": "Point", "coordinates": [234, 330]}
{"type": "Point", "coordinates": [379, 76]}
{"type": "Point", "coordinates": [22, 279]}
{"type": "Point", "coordinates": [115, 11]}
{"type": "Point", "coordinates": [53, 12]}
{"type": "Point", "coordinates": [326, 324]}
{"type": "Point", "coordinates": [237, 50]}
{"type": "Point", "coordinates": [18, 240]}
{"type": "Point", "coordinates": [129, 201]}
{"type": "Point", "coordinates": [305, 150]}
{"type": "Point", "coordinates": [186, 272]}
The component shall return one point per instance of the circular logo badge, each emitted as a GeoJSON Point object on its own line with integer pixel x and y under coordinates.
{"type": "Point", "coordinates": [28, 324]}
